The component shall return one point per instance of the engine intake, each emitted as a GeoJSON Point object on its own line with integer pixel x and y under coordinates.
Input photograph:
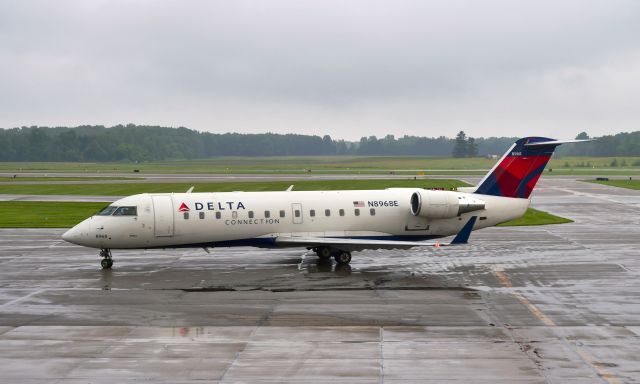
{"type": "Point", "coordinates": [443, 204]}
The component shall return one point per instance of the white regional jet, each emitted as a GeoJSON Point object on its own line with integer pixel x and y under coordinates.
{"type": "Point", "coordinates": [332, 223]}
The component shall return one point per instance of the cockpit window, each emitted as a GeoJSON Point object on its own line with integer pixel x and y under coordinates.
{"type": "Point", "coordinates": [118, 211]}
{"type": "Point", "coordinates": [126, 211]}
{"type": "Point", "coordinates": [107, 211]}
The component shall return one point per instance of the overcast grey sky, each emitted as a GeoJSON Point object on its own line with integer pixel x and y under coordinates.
{"type": "Point", "coordinates": [346, 68]}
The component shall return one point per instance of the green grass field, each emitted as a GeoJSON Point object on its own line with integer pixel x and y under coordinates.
{"type": "Point", "coordinates": [57, 178]}
{"type": "Point", "coordinates": [117, 189]}
{"type": "Point", "coordinates": [629, 184]}
{"type": "Point", "coordinates": [334, 164]}
{"type": "Point", "coordinates": [536, 217]}
{"type": "Point", "coordinates": [39, 214]}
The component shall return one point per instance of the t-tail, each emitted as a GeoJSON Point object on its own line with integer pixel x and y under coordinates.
{"type": "Point", "coordinates": [518, 171]}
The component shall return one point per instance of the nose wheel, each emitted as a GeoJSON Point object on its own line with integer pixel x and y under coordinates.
{"type": "Point", "coordinates": [107, 261]}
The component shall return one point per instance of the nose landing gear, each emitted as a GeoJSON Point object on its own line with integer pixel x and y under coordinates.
{"type": "Point", "coordinates": [107, 261]}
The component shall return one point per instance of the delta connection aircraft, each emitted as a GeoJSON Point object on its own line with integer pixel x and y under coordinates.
{"type": "Point", "coordinates": [331, 223]}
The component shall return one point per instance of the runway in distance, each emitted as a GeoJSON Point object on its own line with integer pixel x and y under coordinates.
{"type": "Point", "coordinates": [332, 223]}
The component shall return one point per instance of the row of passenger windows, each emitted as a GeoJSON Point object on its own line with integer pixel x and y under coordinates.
{"type": "Point", "coordinates": [282, 213]}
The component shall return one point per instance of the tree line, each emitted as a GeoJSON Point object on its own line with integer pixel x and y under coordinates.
{"type": "Point", "coordinates": [154, 143]}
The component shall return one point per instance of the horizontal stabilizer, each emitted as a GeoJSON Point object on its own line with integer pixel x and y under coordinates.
{"type": "Point", "coordinates": [554, 142]}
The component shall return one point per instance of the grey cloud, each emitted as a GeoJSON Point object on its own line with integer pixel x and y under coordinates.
{"type": "Point", "coordinates": [348, 68]}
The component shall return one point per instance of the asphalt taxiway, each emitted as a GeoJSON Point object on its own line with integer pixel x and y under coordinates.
{"type": "Point", "coordinates": [557, 304]}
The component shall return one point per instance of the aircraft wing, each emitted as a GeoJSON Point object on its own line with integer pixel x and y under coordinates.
{"type": "Point", "coordinates": [351, 244]}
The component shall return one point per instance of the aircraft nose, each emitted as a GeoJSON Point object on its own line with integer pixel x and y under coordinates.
{"type": "Point", "coordinates": [70, 235]}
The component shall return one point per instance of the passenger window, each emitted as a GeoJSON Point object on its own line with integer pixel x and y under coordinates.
{"type": "Point", "coordinates": [218, 215]}
{"type": "Point", "coordinates": [312, 213]}
{"type": "Point", "coordinates": [281, 213]}
{"type": "Point", "coordinates": [356, 212]}
{"type": "Point", "coordinates": [186, 215]}
{"type": "Point", "coordinates": [234, 214]}
{"type": "Point", "coordinates": [267, 214]}
{"type": "Point", "coordinates": [251, 214]}
{"type": "Point", "coordinates": [126, 211]}
{"type": "Point", "coordinates": [327, 212]}
{"type": "Point", "coordinates": [372, 212]}
{"type": "Point", "coordinates": [296, 213]}
{"type": "Point", "coordinates": [341, 212]}
{"type": "Point", "coordinates": [201, 214]}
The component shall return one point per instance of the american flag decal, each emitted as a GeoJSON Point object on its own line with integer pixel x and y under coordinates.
{"type": "Point", "coordinates": [358, 204]}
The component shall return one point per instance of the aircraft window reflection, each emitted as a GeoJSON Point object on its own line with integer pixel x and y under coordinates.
{"type": "Point", "coordinates": [234, 214]}
{"type": "Point", "coordinates": [186, 215]}
{"type": "Point", "coordinates": [218, 215]}
{"type": "Point", "coordinates": [267, 214]}
{"type": "Point", "coordinates": [281, 213]}
{"type": "Point", "coordinates": [356, 212]}
{"type": "Point", "coordinates": [297, 213]}
{"type": "Point", "coordinates": [327, 212]}
{"type": "Point", "coordinates": [372, 212]}
{"type": "Point", "coordinates": [312, 212]}
{"type": "Point", "coordinates": [201, 214]}
{"type": "Point", "coordinates": [107, 211]}
{"type": "Point", "coordinates": [126, 211]}
{"type": "Point", "coordinates": [251, 214]}
{"type": "Point", "coordinates": [341, 212]}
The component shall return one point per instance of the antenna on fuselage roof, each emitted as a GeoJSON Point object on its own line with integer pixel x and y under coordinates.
{"type": "Point", "coordinates": [190, 189]}
{"type": "Point", "coordinates": [290, 188]}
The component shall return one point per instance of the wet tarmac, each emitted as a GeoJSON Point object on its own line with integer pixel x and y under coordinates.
{"type": "Point", "coordinates": [557, 304]}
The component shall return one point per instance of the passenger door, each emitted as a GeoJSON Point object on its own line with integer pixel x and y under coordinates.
{"type": "Point", "coordinates": [162, 216]}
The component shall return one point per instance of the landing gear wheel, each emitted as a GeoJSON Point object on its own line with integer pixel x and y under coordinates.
{"type": "Point", "coordinates": [324, 253]}
{"type": "Point", "coordinates": [342, 257]}
{"type": "Point", "coordinates": [107, 261]}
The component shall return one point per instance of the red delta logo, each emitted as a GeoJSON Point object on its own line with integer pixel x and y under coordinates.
{"type": "Point", "coordinates": [183, 208]}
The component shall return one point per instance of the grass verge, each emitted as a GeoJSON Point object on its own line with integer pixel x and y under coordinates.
{"type": "Point", "coordinates": [410, 165]}
{"type": "Point", "coordinates": [63, 178]}
{"type": "Point", "coordinates": [536, 217]}
{"type": "Point", "coordinates": [629, 184]}
{"type": "Point", "coordinates": [39, 214]}
{"type": "Point", "coordinates": [123, 189]}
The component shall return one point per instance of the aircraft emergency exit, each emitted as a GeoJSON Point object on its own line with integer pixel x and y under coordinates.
{"type": "Point", "coordinates": [331, 223]}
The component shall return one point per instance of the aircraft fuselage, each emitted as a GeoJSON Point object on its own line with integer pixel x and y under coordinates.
{"type": "Point", "coordinates": [256, 218]}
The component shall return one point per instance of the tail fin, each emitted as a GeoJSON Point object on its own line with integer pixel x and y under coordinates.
{"type": "Point", "coordinates": [517, 172]}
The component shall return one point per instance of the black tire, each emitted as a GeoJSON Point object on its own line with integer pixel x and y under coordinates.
{"type": "Point", "coordinates": [324, 253]}
{"type": "Point", "coordinates": [342, 257]}
{"type": "Point", "coordinates": [106, 263]}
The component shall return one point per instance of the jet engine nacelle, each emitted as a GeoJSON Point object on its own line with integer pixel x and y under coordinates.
{"type": "Point", "coordinates": [443, 204]}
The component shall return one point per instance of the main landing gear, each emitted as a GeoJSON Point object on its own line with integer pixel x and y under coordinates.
{"type": "Point", "coordinates": [325, 253]}
{"type": "Point", "coordinates": [107, 261]}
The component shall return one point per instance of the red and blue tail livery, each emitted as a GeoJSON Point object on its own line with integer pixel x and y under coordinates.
{"type": "Point", "coordinates": [517, 172]}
